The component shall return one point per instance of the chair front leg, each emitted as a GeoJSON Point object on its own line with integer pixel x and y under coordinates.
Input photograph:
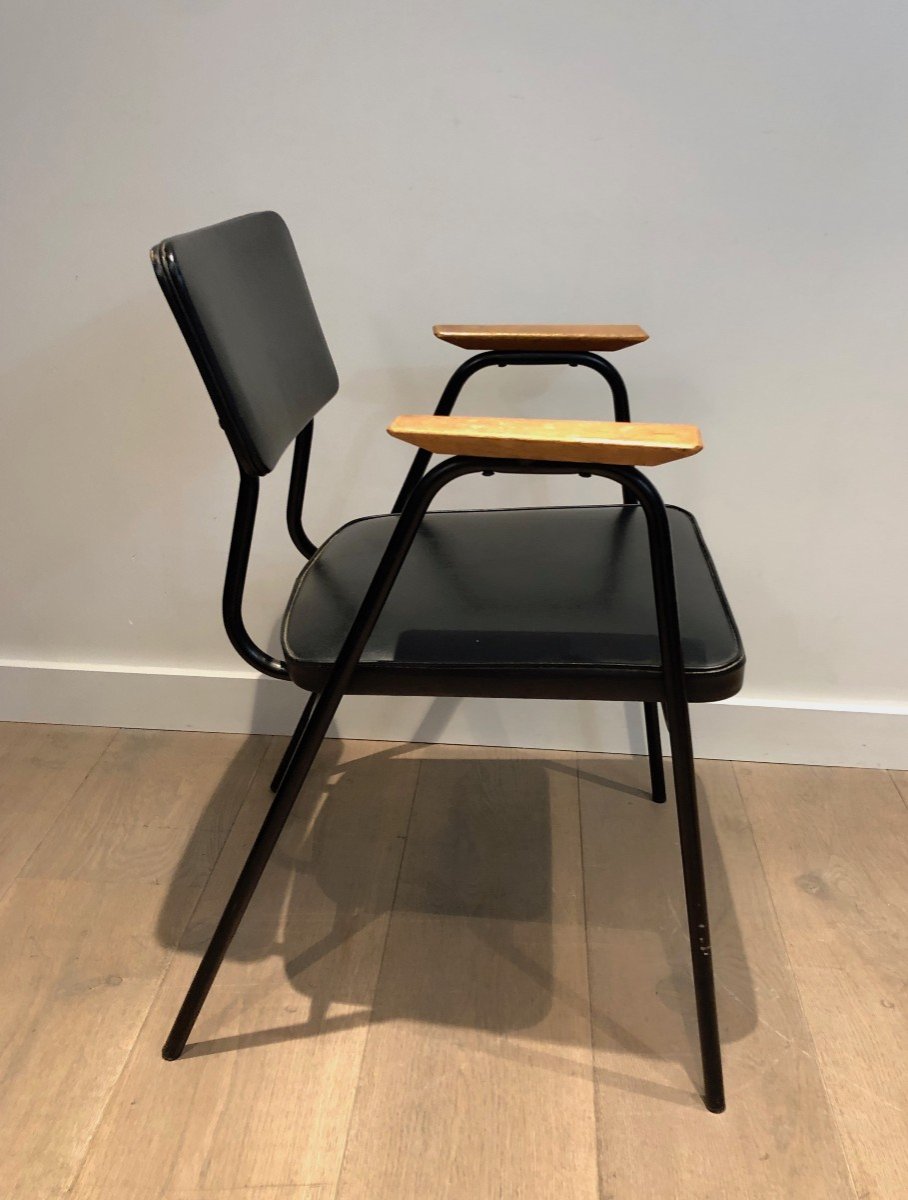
{"type": "Point", "coordinates": [299, 760]}
{"type": "Point", "coordinates": [297, 768]}
{"type": "Point", "coordinates": [695, 897]}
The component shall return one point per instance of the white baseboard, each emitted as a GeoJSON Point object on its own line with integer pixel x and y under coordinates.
{"type": "Point", "coordinates": [239, 702]}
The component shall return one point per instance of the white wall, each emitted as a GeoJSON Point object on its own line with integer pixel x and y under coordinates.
{"type": "Point", "coordinates": [732, 176]}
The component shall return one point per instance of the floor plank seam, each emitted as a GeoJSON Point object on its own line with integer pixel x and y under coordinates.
{"type": "Point", "coordinates": [64, 808]}
{"type": "Point", "coordinates": [903, 796]}
{"type": "Point", "coordinates": [456, 1056]}
{"type": "Point", "coordinates": [597, 1107]}
{"type": "Point", "coordinates": [342, 1158]}
{"type": "Point", "coordinates": [253, 776]}
{"type": "Point", "coordinates": [815, 1055]}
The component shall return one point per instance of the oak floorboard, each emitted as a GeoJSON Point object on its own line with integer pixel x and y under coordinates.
{"type": "Point", "coordinates": [359, 789]}
{"type": "Point", "coordinates": [278, 1192]}
{"type": "Point", "coordinates": [159, 807]}
{"type": "Point", "coordinates": [83, 949]}
{"type": "Point", "coordinates": [834, 845]}
{"type": "Point", "coordinates": [76, 985]}
{"type": "Point", "coordinates": [412, 982]}
{"type": "Point", "coordinates": [263, 1094]}
{"type": "Point", "coordinates": [476, 1078]}
{"type": "Point", "coordinates": [778, 1137]}
{"type": "Point", "coordinates": [41, 769]}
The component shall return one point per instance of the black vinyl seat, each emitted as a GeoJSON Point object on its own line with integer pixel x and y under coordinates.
{"type": "Point", "coordinates": [538, 602]}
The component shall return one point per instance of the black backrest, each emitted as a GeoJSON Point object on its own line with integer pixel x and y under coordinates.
{"type": "Point", "coordinates": [239, 294]}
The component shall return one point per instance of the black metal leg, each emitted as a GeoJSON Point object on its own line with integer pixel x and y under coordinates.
{"type": "Point", "coordinates": [654, 750]}
{"type": "Point", "coordinates": [281, 806]}
{"type": "Point", "coordinates": [294, 744]}
{"type": "Point", "coordinates": [301, 759]}
{"type": "Point", "coordinates": [697, 917]}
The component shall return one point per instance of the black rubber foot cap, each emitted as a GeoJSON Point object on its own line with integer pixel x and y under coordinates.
{"type": "Point", "coordinates": [170, 1055]}
{"type": "Point", "coordinates": [715, 1106]}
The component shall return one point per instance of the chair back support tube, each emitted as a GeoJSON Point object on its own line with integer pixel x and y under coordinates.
{"type": "Point", "coordinates": [235, 581]}
{"type": "Point", "coordinates": [298, 474]}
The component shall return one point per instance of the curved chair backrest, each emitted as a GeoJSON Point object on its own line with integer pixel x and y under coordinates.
{"type": "Point", "coordinates": [240, 297]}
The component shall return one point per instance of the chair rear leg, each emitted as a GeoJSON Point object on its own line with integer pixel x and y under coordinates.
{"type": "Point", "coordinates": [294, 744]}
{"type": "Point", "coordinates": [296, 770]}
{"type": "Point", "coordinates": [654, 750]}
{"type": "Point", "coordinates": [697, 917]}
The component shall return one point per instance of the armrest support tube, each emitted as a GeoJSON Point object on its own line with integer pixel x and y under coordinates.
{"type": "Point", "coordinates": [516, 358]}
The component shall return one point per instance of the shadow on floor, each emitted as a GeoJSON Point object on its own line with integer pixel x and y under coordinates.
{"type": "Point", "coordinates": [484, 877]}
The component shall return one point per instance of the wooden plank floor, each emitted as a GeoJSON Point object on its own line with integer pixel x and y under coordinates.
{"type": "Point", "coordinates": [465, 974]}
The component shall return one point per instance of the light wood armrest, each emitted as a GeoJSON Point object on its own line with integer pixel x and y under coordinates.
{"type": "Point", "coordinates": [621, 443]}
{"type": "Point", "coordinates": [541, 337]}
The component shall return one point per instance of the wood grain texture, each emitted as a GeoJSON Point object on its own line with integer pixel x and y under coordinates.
{"type": "Point", "coordinates": [157, 809]}
{"type": "Point", "coordinates": [629, 443]}
{"type": "Point", "coordinates": [541, 337]}
{"type": "Point", "coordinates": [834, 846]}
{"type": "Point", "coordinates": [41, 769]}
{"type": "Point", "coordinates": [264, 1092]}
{"type": "Point", "coordinates": [79, 966]}
{"type": "Point", "coordinates": [136, 1191]}
{"type": "Point", "coordinates": [420, 981]}
{"type": "Point", "coordinates": [476, 1079]}
{"type": "Point", "coordinates": [778, 1137]}
{"type": "Point", "coordinates": [86, 933]}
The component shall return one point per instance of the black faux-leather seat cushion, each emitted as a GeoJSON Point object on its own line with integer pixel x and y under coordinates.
{"type": "Point", "coordinates": [536, 602]}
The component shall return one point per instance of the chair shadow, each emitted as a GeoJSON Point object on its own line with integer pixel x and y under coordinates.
{"type": "Point", "coordinates": [481, 902]}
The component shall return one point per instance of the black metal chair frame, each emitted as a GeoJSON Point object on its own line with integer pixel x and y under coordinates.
{"type": "Point", "coordinates": [422, 458]}
{"type": "Point", "coordinates": [419, 489]}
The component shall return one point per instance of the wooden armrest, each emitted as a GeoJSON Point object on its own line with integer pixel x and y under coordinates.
{"type": "Point", "coordinates": [621, 443]}
{"type": "Point", "coordinates": [541, 337]}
